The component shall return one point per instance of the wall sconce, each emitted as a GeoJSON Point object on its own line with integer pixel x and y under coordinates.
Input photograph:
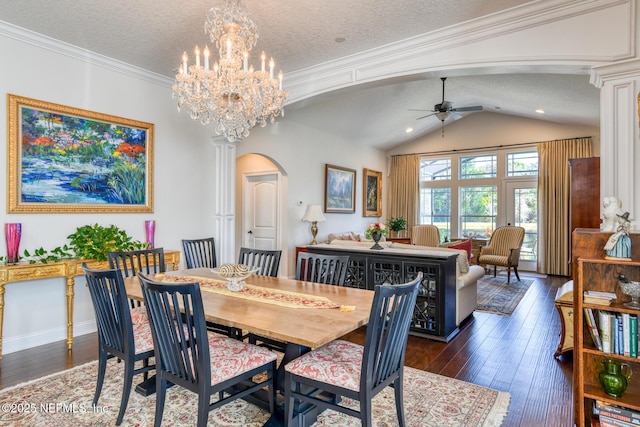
{"type": "Point", "coordinates": [314, 216]}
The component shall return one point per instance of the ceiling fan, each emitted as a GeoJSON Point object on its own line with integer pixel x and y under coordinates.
{"type": "Point", "coordinates": [445, 109]}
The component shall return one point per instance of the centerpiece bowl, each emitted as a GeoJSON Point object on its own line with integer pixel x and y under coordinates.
{"type": "Point", "coordinates": [631, 288]}
{"type": "Point", "coordinates": [235, 275]}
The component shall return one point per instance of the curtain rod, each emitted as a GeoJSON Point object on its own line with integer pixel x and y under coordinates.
{"type": "Point", "coordinates": [493, 147]}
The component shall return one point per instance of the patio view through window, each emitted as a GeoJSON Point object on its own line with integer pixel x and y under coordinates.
{"type": "Point", "coordinates": [471, 195]}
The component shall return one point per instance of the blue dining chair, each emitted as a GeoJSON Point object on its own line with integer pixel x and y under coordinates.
{"type": "Point", "coordinates": [342, 368]}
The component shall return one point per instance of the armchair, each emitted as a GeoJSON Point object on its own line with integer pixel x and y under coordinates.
{"type": "Point", "coordinates": [425, 235]}
{"type": "Point", "coordinates": [503, 250]}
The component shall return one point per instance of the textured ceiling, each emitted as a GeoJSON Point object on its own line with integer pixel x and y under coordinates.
{"type": "Point", "coordinates": [152, 34]}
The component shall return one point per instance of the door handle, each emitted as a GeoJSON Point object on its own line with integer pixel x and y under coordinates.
{"type": "Point", "coordinates": [249, 232]}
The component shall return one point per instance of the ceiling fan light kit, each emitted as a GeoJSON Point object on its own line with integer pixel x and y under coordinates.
{"type": "Point", "coordinates": [445, 109]}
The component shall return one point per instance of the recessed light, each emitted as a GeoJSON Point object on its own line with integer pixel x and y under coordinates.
{"type": "Point", "coordinates": [340, 39]}
{"type": "Point", "coordinates": [540, 111]}
{"type": "Point", "coordinates": [409, 130]}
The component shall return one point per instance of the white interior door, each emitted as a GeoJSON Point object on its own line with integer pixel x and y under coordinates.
{"type": "Point", "coordinates": [260, 212]}
{"type": "Point", "coordinates": [522, 210]}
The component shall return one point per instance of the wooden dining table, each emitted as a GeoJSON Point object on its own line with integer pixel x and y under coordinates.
{"type": "Point", "coordinates": [301, 329]}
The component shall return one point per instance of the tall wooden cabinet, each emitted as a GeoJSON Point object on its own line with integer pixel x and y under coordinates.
{"type": "Point", "coordinates": [584, 202]}
{"type": "Point", "coordinates": [594, 272]}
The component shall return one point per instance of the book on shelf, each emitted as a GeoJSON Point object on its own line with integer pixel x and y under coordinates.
{"type": "Point", "coordinates": [633, 334]}
{"type": "Point", "coordinates": [607, 421]}
{"type": "Point", "coordinates": [596, 300]}
{"type": "Point", "coordinates": [604, 328]}
{"type": "Point", "coordinates": [600, 294]}
{"type": "Point", "coordinates": [626, 335]}
{"type": "Point", "coordinates": [617, 413]}
{"type": "Point", "coordinates": [593, 327]}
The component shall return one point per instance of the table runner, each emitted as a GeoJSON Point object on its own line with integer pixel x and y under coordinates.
{"type": "Point", "coordinates": [255, 293]}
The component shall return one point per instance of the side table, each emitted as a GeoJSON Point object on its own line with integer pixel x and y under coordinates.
{"type": "Point", "coordinates": [564, 305]}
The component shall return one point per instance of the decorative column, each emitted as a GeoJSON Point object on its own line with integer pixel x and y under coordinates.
{"type": "Point", "coordinates": [224, 194]}
{"type": "Point", "coordinates": [620, 133]}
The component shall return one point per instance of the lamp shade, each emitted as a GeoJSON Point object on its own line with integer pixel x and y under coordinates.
{"type": "Point", "coordinates": [313, 214]}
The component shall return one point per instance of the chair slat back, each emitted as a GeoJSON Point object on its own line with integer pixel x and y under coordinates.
{"type": "Point", "coordinates": [328, 269]}
{"type": "Point", "coordinates": [506, 238]}
{"type": "Point", "coordinates": [199, 253]}
{"type": "Point", "coordinates": [425, 235]}
{"type": "Point", "coordinates": [388, 331]}
{"type": "Point", "coordinates": [142, 261]}
{"type": "Point", "coordinates": [113, 318]}
{"type": "Point", "coordinates": [267, 261]}
{"type": "Point", "coordinates": [180, 339]}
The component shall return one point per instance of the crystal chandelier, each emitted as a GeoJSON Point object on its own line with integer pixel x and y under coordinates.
{"type": "Point", "coordinates": [231, 94]}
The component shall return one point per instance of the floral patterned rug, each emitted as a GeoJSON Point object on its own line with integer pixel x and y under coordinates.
{"type": "Point", "coordinates": [64, 399]}
{"type": "Point", "coordinates": [498, 297]}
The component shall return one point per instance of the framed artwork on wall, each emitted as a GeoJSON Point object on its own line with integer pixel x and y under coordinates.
{"type": "Point", "coordinates": [372, 193]}
{"type": "Point", "coordinates": [339, 189]}
{"type": "Point", "coordinates": [67, 160]}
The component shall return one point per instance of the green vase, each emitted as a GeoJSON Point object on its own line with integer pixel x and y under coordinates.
{"type": "Point", "coordinates": [614, 377]}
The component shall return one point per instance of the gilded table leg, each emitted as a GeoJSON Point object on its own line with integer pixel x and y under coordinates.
{"type": "Point", "coordinates": [70, 285]}
{"type": "Point", "coordinates": [1, 314]}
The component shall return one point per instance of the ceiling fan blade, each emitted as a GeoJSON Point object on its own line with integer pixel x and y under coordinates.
{"type": "Point", "coordinates": [473, 108]}
{"type": "Point", "coordinates": [415, 109]}
{"type": "Point", "coordinates": [423, 117]}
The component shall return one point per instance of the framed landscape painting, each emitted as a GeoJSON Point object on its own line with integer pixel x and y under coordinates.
{"type": "Point", "coordinates": [372, 191]}
{"type": "Point", "coordinates": [340, 190]}
{"type": "Point", "coordinates": [67, 160]}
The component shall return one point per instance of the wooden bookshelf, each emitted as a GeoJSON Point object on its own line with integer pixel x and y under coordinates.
{"type": "Point", "coordinates": [599, 274]}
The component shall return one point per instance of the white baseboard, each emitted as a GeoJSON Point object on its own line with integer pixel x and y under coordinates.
{"type": "Point", "coordinates": [23, 342]}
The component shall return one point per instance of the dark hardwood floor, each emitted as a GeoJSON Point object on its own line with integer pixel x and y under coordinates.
{"type": "Point", "coordinates": [507, 353]}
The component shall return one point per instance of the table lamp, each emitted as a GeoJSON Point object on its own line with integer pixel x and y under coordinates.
{"type": "Point", "coordinates": [314, 215]}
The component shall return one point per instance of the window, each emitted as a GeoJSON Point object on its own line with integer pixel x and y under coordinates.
{"type": "Point", "coordinates": [466, 194]}
{"type": "Point", "coordinates": [482, 166]}
{"type": "Point", "coordinates": [523, 163]}
{"type": "Point", "coordinates": [435, 208]}
{"type": "Point", "coordinates": [435, 169]}
{"type": "Point", "coordinates": [478, 207]}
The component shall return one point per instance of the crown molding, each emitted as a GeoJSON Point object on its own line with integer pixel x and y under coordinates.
{"type": "Point", "coordinates": [407, 57]}
{"type": "Point", "coordinates": [75, 52]}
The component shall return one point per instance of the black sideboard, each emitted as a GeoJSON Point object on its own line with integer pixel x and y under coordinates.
{"type": "Point", "coordinates": [435, 312]}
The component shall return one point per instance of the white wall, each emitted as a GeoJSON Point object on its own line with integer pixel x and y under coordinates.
{"type": "Point", "coordinates": [302, 153]}
{"type": "Point", "coordinates": [35, 312]}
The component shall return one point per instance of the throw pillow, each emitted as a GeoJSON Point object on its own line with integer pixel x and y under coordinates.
{"type": "Point", "coordinates": [465, 244]}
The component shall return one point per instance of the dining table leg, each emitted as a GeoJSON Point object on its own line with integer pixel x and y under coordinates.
{"type": "Point", "coordinates": [304, 414]}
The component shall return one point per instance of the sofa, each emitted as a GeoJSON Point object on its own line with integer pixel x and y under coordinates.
{"type": "Point", "coordinates": [466, 275]}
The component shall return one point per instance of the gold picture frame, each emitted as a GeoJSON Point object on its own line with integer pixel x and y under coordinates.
{"type": "Point", "coordinates": [372, 193]}
{"type": "Point", "coordinates": [67, 160]}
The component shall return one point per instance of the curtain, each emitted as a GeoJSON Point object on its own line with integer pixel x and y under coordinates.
{"type": "Point", "coordinates": [554, 188]}
{"type": "Point", "coordinates": [404, 188]}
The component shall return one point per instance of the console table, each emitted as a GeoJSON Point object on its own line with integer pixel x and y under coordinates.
{"type": "Point", "coordinates": [68, 269]}
{"type": "Point", "coordinates": [435, 312]}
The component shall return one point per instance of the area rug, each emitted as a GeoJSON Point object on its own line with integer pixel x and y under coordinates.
{"type": "Point", "coordinates": [64, 399]}
{"type": "Point", "coordinates": [496, 296]}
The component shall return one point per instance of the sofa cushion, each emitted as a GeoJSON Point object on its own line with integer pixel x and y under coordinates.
{"type": "Point", "coordinates": [463, 262]}
{"type": "Point", "coordinates": [460, 244]}
{"type": "Point", "coordinates": [347, 235]}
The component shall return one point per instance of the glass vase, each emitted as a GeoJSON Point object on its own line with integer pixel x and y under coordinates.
{"type": "Point", "coordinates": [12, 234]}
{"type": "Point", "coordinates": [150, 231]}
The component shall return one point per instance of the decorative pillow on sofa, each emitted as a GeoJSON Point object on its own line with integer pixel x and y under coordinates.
{"type": "Point", "coordinates": [347, 235]}
{"type": "Point", "coordinates": [464, 244]}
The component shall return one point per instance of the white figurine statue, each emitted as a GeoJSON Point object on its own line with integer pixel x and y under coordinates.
{"type": "Point", "coordinates": [619, 244]}
{"type": "Point", "coordinates": [611, 211]}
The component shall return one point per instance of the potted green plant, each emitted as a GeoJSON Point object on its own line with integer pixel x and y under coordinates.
{"type": "Point", "coordinates": [397, 224]}
{"type": "Point", "coordinates": [96, 241]}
